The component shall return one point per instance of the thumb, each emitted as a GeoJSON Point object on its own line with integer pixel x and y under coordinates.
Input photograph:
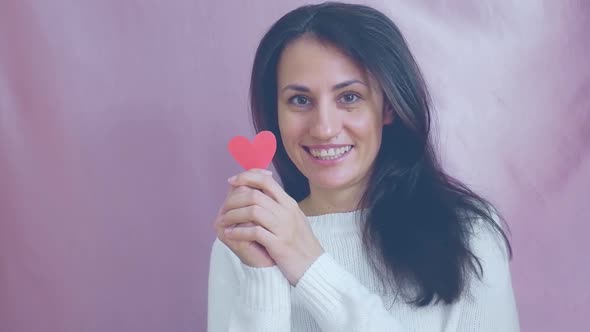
{"type": "Point", "coordinates": [260, 170]}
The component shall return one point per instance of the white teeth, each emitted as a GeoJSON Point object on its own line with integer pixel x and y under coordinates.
{"type": "Point", "coordinates": [329, 154]}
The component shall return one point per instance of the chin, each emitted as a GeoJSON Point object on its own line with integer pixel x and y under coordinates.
{"type": "Point", "coordinates": [331, 182]}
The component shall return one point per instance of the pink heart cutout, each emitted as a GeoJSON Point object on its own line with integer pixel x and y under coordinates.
{"type": "Point", "coordinates": [257, 154]}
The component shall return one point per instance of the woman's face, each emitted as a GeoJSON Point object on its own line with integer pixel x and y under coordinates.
{"type": "Point", "coordinates": [330, 113]}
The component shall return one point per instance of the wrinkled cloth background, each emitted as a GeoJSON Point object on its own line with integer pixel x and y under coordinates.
{"type": "Point", "coordinates": [114, 120]}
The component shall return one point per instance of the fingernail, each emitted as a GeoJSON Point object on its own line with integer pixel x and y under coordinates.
{"type": "Point", "coordinates": [267, 172]}
{"type": "Point", "coordinates": [231, 179]}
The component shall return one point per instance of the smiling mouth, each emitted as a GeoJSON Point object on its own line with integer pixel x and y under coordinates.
{"type": "Point", "coordinates": [330, 153]}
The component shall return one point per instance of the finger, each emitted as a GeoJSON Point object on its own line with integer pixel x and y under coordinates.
{"type": "Point", "coordinates": [252, 233]}
{"type": "Point", "coordinates": [218, 226]}
{"type": "Point", "coordinates": [232, 191]}
{"type": "Point", "coordinates": [253, 170]}
{"type": "Point", "coordinates": [260, 170]}
{"type": "Point", "coordinates": [253, 213]}
{"type": "Point", "coordinates": [237, 189]}
{"type": "Point", "coordinates": [262, 182]}
{"type": "Point", "coordinates": [249, 197]}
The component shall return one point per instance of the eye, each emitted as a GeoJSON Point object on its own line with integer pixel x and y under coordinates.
{"type": "Point", "coordinates": [350, 98]}
{"type": "Point", "coordinates": [299, 100]}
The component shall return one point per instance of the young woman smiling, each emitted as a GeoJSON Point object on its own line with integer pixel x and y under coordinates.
{"type": "Point", "coordinates": [367, 233]}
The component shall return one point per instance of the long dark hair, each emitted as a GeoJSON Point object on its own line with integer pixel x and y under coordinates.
{"type": "Point", "coordinates": [418, 219]}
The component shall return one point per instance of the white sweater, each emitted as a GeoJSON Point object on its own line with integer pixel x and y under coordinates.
{"type": "Point", "coordinates": [341, 291]}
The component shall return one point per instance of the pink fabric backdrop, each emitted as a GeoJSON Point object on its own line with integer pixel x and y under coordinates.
{"type": "Point", "coordinates": [114, 116]}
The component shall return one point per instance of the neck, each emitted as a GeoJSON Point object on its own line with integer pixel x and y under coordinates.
{"type": "Point", "coordinates": [324, 201]}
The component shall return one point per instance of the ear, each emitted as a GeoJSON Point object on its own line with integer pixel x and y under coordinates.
{"type": "Point", "coordinates": [388, 116]}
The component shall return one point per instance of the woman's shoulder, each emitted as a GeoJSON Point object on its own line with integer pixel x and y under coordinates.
{"type": "Point", "coordinates": [486, 239]}
{"type": "Point", "coordinates": [488, 245]}
{"type": "Point", "coordinates": [488, 235]}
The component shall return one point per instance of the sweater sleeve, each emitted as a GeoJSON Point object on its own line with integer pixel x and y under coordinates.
{"type": "Point", "coordinates": [339, 302]}
{"type": "Point", "coordinates": [243, 298]}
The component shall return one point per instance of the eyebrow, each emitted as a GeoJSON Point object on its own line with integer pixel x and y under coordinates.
{"type": "Point", "coordinates": [338, 86]}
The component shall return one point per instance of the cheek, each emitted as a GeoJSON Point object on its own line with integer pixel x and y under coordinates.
{"type": "Point", "coordinates": [366, 127]}
{"type": "Point", "coordinates": [292, 127]}
{"type": "Point", "coordinates": [289, 132]}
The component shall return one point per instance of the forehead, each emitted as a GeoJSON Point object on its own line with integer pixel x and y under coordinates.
{"type": "Point", "coordinates": [307, 60]}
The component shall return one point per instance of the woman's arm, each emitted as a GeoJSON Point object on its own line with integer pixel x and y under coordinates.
{"type": "Point", "coordinates": [335, 298]}
{"type": "Point", "coordinates": [339, 302]}
{"type": "Point", "coordinates": [243, 298]}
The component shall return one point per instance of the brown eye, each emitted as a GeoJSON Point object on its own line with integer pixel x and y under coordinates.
{"type": "Point", "coordinates": [350, 98]}
{"type": "Point", "coordinates": [299, 100]}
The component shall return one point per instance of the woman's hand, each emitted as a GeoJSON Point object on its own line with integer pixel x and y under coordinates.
{"type": "Point", "coordinates": [249, 252]}
{"type": "Point", "coordinates": [279, 224]}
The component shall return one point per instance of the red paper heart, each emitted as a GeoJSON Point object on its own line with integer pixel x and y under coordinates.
{"type": "Point", "coordinates": [257, 154]}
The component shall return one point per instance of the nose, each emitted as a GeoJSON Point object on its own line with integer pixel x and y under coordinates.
{"type": "Point", "coordinates": [326, 122]}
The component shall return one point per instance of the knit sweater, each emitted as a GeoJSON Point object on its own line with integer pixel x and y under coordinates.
{"type": "Point", "coordinates": [341, 290]}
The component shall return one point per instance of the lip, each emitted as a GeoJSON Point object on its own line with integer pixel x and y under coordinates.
{"type": "Point", "coordinates": [327, 146]}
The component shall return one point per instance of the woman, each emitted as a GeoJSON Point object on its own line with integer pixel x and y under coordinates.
{"type": "Point", "coordinates": [368, 234]}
